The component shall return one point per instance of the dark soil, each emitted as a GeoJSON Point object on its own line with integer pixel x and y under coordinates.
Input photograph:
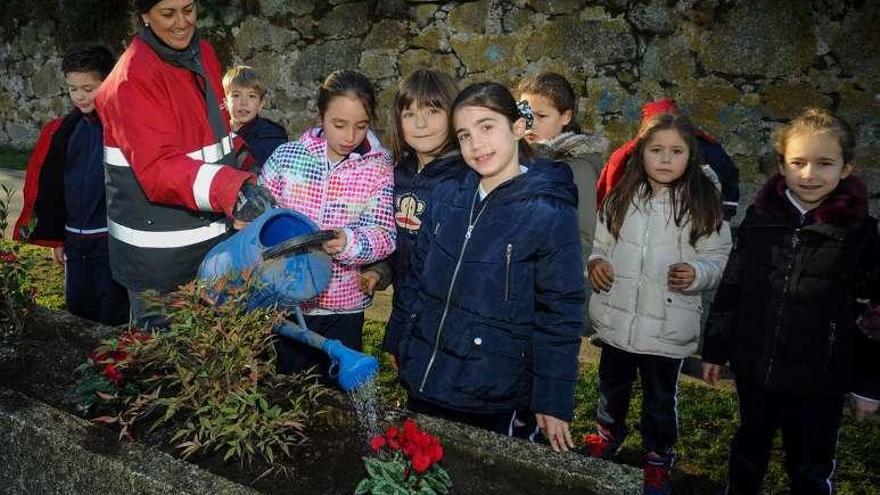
{"type": "Point", "coordinates": [330, 463]}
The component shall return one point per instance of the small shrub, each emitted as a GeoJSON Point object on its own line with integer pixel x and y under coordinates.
{"type": "Point", "coordinates": [104, 382]}
{"type": "Point", "coordinates": [16, 288]}
{"type": "Point", "coordinates": [405, 462]}
{"type": "Point", "coordinates": [211, 378]}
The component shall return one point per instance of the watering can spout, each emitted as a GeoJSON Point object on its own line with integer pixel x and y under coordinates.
{"type": "Point", "coordinates": [355, 368]}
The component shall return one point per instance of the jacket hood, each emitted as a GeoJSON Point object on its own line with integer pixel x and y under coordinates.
{"type": "Point", "coordinates": [544, 178]}
{"type": "Point", "coordinates": [316, 143]}
{"type": "Point", "coordinates": [565, 145]}
{"type": "Point", "coordinates": [847, 204]}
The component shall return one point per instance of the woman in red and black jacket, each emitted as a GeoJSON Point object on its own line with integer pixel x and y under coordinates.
{"type": "Point", "coordinates": [172, 163]}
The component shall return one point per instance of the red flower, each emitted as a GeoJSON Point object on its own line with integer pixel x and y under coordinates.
{"type": "Point", "coordinates": [8, 257]}
{"type": "Point", "coordinates": [377, 442]}
{"type": "Point", "coordinates": [391, 435]}
{"type": "Point", "coordinates": [420, 463]}
{"type": "Point", "coordinates": [113, 374]}
{"type": "Point", "coordinates": [410, 428]}
{"type": "Point", "coordinates": [435, 452]}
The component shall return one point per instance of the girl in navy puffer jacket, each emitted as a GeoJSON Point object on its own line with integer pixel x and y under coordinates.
{"type": "Point", "coordinates": [496, 323]}
{"type": "Point", "coordinates": [425, 153]}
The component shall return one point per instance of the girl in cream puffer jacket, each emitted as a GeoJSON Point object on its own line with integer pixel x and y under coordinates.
{"type": "Point", "coordinates": [661, 240]}
{"type": "Point", "coordinates": [640, 313]}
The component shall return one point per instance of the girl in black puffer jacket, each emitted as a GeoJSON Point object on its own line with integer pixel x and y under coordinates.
{"type": "Point", "coordinates": [785, 314]}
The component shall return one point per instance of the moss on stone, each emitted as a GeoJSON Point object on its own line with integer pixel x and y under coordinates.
{"type": "Point", "coordinates": [469, 17]}
{"type": "Point", "coordinates": [783, 101]}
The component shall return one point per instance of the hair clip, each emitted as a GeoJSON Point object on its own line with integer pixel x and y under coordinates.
{"type": "Point", "coordinates": [525, 111]}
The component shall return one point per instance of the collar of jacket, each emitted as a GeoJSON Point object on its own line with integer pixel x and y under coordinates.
{"type": "Point", "coordinates": [846, 205]}
{"type": "Point", "coordinates": [544, 178]}
{"type": "Point", "coordinates": [439, 166]}
{"type": "Point", "coordinates": [316, 143]}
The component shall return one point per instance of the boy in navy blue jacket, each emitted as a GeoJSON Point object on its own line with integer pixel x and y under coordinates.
{"type": "Point", "coordinates": [64, 197]}
{"type": "Point", "coordinates": [245, 99]}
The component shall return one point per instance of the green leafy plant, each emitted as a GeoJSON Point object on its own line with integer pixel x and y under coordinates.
{"type": "Point", "coordinates": [210, 377]}
{"type": "Point", "coordinates": [104, 383]}
{"type": "Point", "coordinates": [16, 288]}
{"type": "Point", "coordinates": [405, 462]}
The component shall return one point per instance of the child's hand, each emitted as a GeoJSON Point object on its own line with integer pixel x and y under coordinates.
{"type": "Point", "coordinates": [58, 256]}
{"type": "Point", "coordinates": [556, 431]}
{"type": "Point", "coordinates": [711, 372]}
{"type": "Point", "coordinates": [863, 408]}
{"type": "Point", "coordinates": [601, 274]}
{"type": "Point", "coordinates": [680, 276]}
{"type": "Point", "coordinates": [336, 245]}
{"type": "Point", "coordinates": [367, 282]}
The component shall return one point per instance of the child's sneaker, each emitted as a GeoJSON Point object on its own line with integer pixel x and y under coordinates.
{"type": "Point", "coordinates": [657, 470]}
{"type": "Point", "coordinates": [601, 444]}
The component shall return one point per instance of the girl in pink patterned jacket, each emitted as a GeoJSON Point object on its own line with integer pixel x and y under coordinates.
{"type": "Point", "coordinates": [340, 176]}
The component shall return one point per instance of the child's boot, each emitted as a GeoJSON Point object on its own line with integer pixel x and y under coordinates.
{"type": "Point", "coordinates": [657, 470]}
{"type": "Point", "coordinates": [601, 444]}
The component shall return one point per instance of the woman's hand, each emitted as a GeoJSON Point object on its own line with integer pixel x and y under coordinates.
{"type": "Point", "coordinates": [680, 276]}
{"type": "Point", "coordinates": [556, 431]}
{"type": "Point", "coordinates": [58, 256]}
{"type": "Point", "coordinates": [367, 281]}
{"type": "Point", "coordinates": [601, 274]}
{"type": "Point", "coordinates": [711, 372]}
{"type": "Point", "coordinates": [336, 245]}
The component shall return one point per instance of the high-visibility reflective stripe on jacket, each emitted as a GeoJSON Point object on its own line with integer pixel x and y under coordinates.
{"type": "Point", "coordinates": [166, 196]}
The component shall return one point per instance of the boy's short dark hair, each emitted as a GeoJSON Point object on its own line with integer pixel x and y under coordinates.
{"type": "Point", "coordinates": [244, 77]}
{"type": "Point", "coordinates": [89, 58]}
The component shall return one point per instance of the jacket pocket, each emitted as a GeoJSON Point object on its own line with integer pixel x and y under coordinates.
{"type": "Point", "coordinates": [600, 309]}
{"type": "Point", "coordinates": [681, 324]}
{"type": "Point", "coordinates": [495, 369]}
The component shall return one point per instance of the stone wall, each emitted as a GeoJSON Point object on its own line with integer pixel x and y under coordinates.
{"type": "Point", "coordinates": [740, 68]}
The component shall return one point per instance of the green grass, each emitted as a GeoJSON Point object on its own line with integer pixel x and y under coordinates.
{"type": "Point", "coordinates": [48, 276]}
{"type": "Point", "coordinates": [707, 422]}
{"type": "Point", "coordinates": [13, 158]}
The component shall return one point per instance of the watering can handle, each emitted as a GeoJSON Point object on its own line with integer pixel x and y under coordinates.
{"type": "Point", "coordinates": [298, 243]}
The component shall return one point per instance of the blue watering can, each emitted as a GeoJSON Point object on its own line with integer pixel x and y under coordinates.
{"type": "Point", "coordinates": [280, 246]}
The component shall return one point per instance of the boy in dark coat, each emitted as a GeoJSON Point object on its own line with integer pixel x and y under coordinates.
{"type": "Point", "coordinates": [64, 195]}
{"type": "Point", "coordinates": [245, 99]}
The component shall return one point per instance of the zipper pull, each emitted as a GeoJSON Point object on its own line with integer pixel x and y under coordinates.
{"type": "Point", "coordinates": [467, 235]}
{"type": "Point", "coordinates": [436, 228]}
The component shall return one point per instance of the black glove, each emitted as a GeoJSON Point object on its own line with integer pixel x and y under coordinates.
{"type": "Point", "coordinates": [252, 201]}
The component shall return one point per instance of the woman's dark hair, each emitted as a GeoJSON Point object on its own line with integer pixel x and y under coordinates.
{"type": "Point", "coordinates": [425, 88]}
{"type": "Point", "coordinates": [492, 96]}
{"type": "Point", "coordinates": [345, 83]}
{"type": "Point", "coordinates": [558, 90]}
{"type": "Point", "coordinates": [694, 197]}
{"type": "Point", "coordinates": [817, 120]}
{"type": "Point", "coordinates": [94, 57]}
